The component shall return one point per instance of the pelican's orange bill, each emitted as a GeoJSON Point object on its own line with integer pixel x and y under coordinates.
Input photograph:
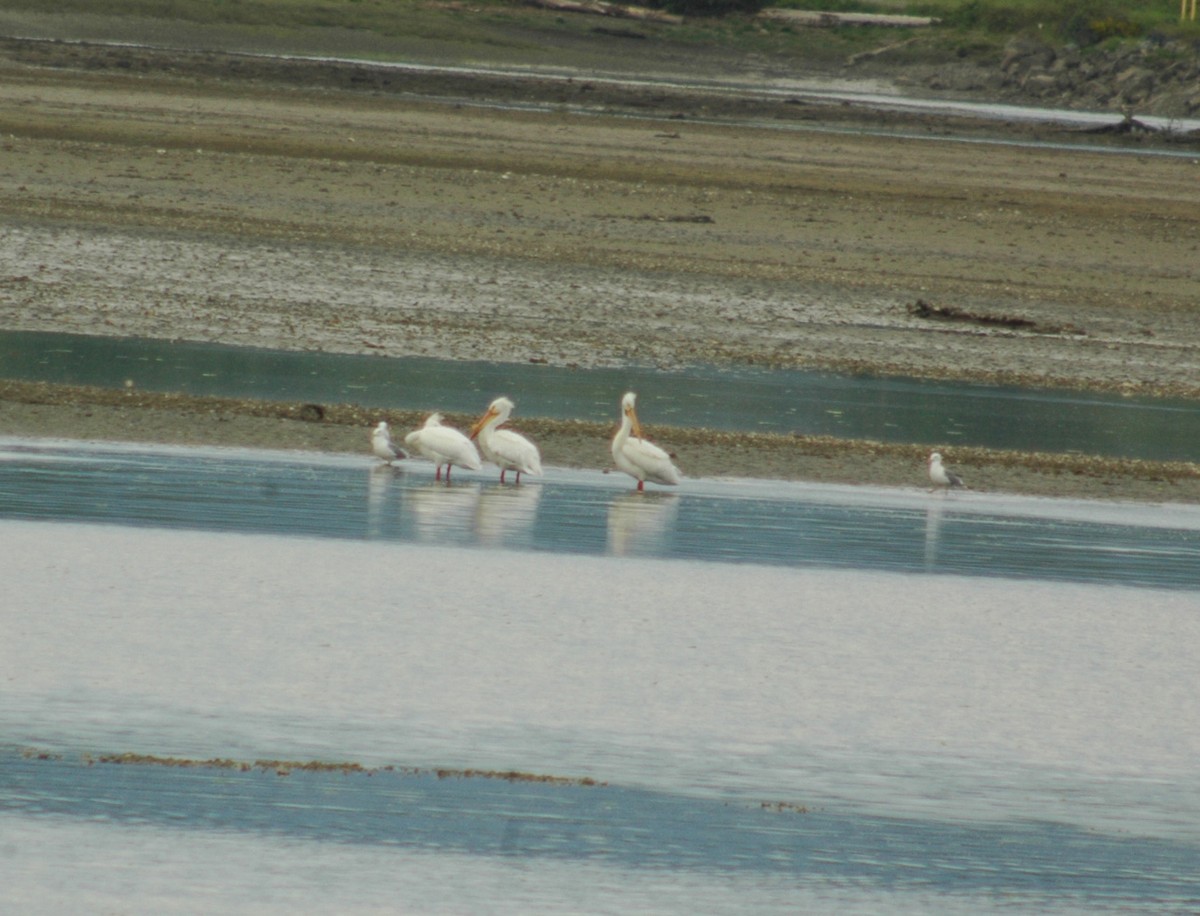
{"type": "Point", "coordinates": [481, 421]}
{"type": "Point", "coordinates": [637, 426]}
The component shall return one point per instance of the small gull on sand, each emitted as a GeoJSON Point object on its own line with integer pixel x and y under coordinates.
{"type": "Point", "coordinates": [382, 445]}
{"type": "Point", "coordinates": [940, 477]}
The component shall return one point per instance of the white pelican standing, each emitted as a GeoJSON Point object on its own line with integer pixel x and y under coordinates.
{"type": "Point", "coordinates": [940, 477]}
{"type": "Point", "coordinates": [638, 458]}
{"type": "Point", "coordinates": [382, 445]}
{"type": "Point", "coordinates": [504, 448]}
{"type": "Point", "coordinates": [443, 445]}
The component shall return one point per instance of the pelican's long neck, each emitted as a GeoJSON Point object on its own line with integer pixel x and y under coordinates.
{"type": "Point", "coordinates": [493, 423]}
{"type": "Point", "coordinates": [622, 435]}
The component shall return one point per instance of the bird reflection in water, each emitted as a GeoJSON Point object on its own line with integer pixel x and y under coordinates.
{"type": "Point", "coordinates": [505, 516]}
{"type": "Point", "coordinates": [380, 480]}
{"type": "Point", "coordinates": [639, 522]}
{"type": "Point", "coordinates": [443, 513]}
{"type": "Point", "coordinates": [933, 532]}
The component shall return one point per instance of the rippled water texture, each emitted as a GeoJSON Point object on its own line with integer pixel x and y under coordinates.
{"type": "Point", "coordinates": [786, 699]}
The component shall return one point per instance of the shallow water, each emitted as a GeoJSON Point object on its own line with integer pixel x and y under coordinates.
{"type": "Point", "coordinates": [591, 513]}
{"type": "Point", "coordinates": [629, 833]}
{"type": "Point", "coordinates": [789, 696]}
{"type": "Point", "coordinates": [854, 740]}
{"type": "Point", "coordinates": [811, 403]}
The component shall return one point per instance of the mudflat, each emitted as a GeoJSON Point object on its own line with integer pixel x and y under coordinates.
{"type": "Point", "coordinates": [203, 197]}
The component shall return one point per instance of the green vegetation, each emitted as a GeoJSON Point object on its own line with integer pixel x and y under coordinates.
{"type": "Point", "coordinates": [380, 16]}
{"type": "Point", "coordinates": [969, 23]}
{"type": "Point", "coordinates": [1083, 22]}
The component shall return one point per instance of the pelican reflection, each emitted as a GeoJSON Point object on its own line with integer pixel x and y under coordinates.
{"type": "Point", "coordinates": [505, 516]}
{"type": "Point", "coordinates": [640, 522]}
{"type": "Point", "coordinates": [442, 512]}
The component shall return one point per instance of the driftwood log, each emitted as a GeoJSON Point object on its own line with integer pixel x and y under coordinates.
{"type": "Point", "coordinates": [600, 8]}
{"type": "Point", "coordinates": [820, 19]}
{"type": "Point", "coordinates": [813, 18]}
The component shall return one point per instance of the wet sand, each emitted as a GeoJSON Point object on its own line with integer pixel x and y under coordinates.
{"type": "Point", "coordinates": [286, 210]}
{"type": "Point", "coordinates": [37, 410]}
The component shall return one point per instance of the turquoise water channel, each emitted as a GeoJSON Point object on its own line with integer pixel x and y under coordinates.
{"type": "Point", "coordinates": [887, 409]}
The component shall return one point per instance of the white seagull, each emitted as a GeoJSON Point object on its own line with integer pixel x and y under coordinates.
{"type": "Point", "coordinates": [382, 445]}
{"type": "Point", "coordinates": [443, 445]}
{"type": "Point", "coordinates": [940, 476]}
{"type": "Point", "coordinates": [504, 448]}
{"type": "Point", "coordinates": [638, 458]}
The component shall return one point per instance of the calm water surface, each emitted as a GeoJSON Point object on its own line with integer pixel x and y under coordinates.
{"type": "Point", "coordinates": [628, 834]}
{"type": "Point", "coordinates": [788, 696]}
{"type": "Point", "coordinates": [581, 512]}
{"type": "Point", "coordinates": [815, 403]}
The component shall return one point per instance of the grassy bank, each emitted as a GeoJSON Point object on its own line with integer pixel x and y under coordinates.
{"type": "Point", "coordinates": [965, 28]}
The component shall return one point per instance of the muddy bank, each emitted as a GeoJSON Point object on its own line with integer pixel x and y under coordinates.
{"type": "Point", "coordinates": [39, 410]}
{"type": "Point", "coordinates": [361, 222]}
{"type": "Point", "coordinates": [327, 205]}
{"type": "Point", "coordinates": [283, 210]}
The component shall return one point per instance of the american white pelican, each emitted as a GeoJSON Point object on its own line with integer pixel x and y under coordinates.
{"type": "Point", "coordinates": [940, 477]}
{"type": "Point", "coordinates": [638, 458]}
{"type": "Point", "coordinates": [443, 445]}
{"type": "Point", "coordinates": [504, 448]}
{"type": "Point", "coordinates": [382, 445]}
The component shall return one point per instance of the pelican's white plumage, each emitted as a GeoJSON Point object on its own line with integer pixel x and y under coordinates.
{"type": "Point", "coordinates": [638, 458]}
{"type": "Point", "coordinates": [382, 445]}
{"type": "Point", "coordinates": [443, 445]}
{"type": "Point", "coordinates": [504, 448]}
{"type": "Point", "coordinates": [939, 476]}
